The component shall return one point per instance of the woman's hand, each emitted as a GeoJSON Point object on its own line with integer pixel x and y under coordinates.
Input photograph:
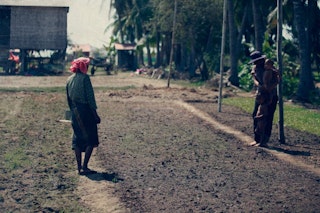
{"type": "Point", "coordinates": [98, 119]}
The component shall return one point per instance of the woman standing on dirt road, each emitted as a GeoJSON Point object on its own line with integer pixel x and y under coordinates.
{"type": "Point", "coordinates": [84, 117]}
{"type": "Point", "coordinates": [261, 79]}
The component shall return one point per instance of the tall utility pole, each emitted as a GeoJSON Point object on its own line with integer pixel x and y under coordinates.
{"type": "Point", "coordinates": [172, 41]}
{"type": "Point", "coordinates": [223, 42]}
{"type": "Point", "coordinates": [279, 58]}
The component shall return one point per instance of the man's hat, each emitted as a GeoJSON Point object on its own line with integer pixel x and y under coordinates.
{"type": "Point", "coordinates": [256, 56]}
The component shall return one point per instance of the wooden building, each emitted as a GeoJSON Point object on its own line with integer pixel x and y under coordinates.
{"type": "Point", "coordinates": [33, 25]}
{"type": "Point", "coordinates": [126, 56]}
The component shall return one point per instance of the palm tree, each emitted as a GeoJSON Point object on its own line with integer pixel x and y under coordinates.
{"type": "Point", "coordinates": [131, 22]}
{"type": "Point", "coordinates": [314, 32]}
{"type": "Point", "coordinates": [306, 84]}
{"type": "Point", "coordinates": [234, 79]}
{"type": "Point", "coordinates": [258, 24]}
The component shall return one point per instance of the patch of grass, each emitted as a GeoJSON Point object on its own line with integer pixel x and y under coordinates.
{"type": "Point", "coordinates": [295, 116]}
{"type": "Point", "coordinates": [33, 89]}
{"type": "Point", "coordinates": [15, 159]}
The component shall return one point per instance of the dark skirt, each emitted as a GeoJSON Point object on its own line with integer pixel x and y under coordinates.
{"type": "Point", "coordinates": [85, 131]}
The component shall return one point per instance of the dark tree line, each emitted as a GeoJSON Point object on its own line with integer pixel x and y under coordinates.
{"type": "Point", "coordinates": [251, 24]}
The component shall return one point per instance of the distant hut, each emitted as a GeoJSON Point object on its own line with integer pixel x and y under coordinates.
{"type": "Point", "coordinates": [126, 56]}
{"type": "Point", "coordinates": [33, 25]}
{"type": "Point", "coordinates": [82, 50]}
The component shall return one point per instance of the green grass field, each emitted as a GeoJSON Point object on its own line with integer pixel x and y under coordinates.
{"type": "Point", "coordinates": [295, 116]}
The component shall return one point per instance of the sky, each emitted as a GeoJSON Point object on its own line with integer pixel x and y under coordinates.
{"type": "Point", "coordinates": [87, 21]}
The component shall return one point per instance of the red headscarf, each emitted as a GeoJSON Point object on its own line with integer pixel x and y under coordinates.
{"type": "Point", "coordinates": [81, 64]}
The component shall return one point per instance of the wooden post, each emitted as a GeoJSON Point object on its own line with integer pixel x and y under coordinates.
{"type": "Point", "coordinates": [224, 30]}
{"type": "Point", "coordinates": [172, 41]}
{"type": "Point", "coordinates": [281, 136]}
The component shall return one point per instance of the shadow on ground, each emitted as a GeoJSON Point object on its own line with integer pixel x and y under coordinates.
{"type": "Point", "coordinates": [104, 176]}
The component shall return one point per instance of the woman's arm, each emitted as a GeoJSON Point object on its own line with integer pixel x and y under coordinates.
{"type": "Point", "coordinates": [68, 98]}
{"type": "Point", "coordinates": [253, 74]}
{"type": "Point", "coordinates": [91, 98]}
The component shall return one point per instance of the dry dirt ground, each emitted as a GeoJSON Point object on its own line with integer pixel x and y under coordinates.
{"type": "Point", "coordinates": [161, 150]}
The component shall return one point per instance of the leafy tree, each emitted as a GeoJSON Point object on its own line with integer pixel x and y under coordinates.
{"type": "Point", "coordinates": [252, 25]}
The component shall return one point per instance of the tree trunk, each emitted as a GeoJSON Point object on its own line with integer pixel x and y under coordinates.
{"type": "Point", "coordinates": [177, 57]}
{"type": "Point", "coordinates": [149, 53]}
{"type": "Point", "coordinates": [172, 43]}
{"type": "Point", "coordinates": [204, 70]}
{"type": "Point", "coordinates": [158, 53]}
{"type": "Point", "coordinates": [192, 57]}
{"type": "Point", "coordinates": [140, 56]}
{"type": "Point", "coordinates": [241, 31]}
{"type": "Point", "coordinates": [184, 58]}
{"type": "Point", "coordinates": [306, 84]}
{"type": "Point", "coordinates": [165, 50]}
{"type": "Point", "coordinates": [168, 48]}
{"type": "Point", "coordinates": [258, 25]}
{"type": "Point", "coordinates": [234, 79]}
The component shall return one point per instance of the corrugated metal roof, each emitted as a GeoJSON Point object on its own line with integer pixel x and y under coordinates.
{"type": "Point", "coordinates": [36, 3]}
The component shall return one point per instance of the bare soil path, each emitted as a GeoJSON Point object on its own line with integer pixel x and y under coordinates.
{"type": "Point", "coordinates": [168, 150]}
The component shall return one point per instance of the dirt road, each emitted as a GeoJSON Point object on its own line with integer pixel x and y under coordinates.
{"type": "Point", "coordinates": [166, 150]}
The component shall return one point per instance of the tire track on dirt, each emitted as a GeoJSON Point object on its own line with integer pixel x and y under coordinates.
{"type": "Point", "coordinates": [245, 138]}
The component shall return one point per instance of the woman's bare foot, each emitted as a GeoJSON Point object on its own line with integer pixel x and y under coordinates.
{"type": "Point", "coordinates": [87, 171]}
